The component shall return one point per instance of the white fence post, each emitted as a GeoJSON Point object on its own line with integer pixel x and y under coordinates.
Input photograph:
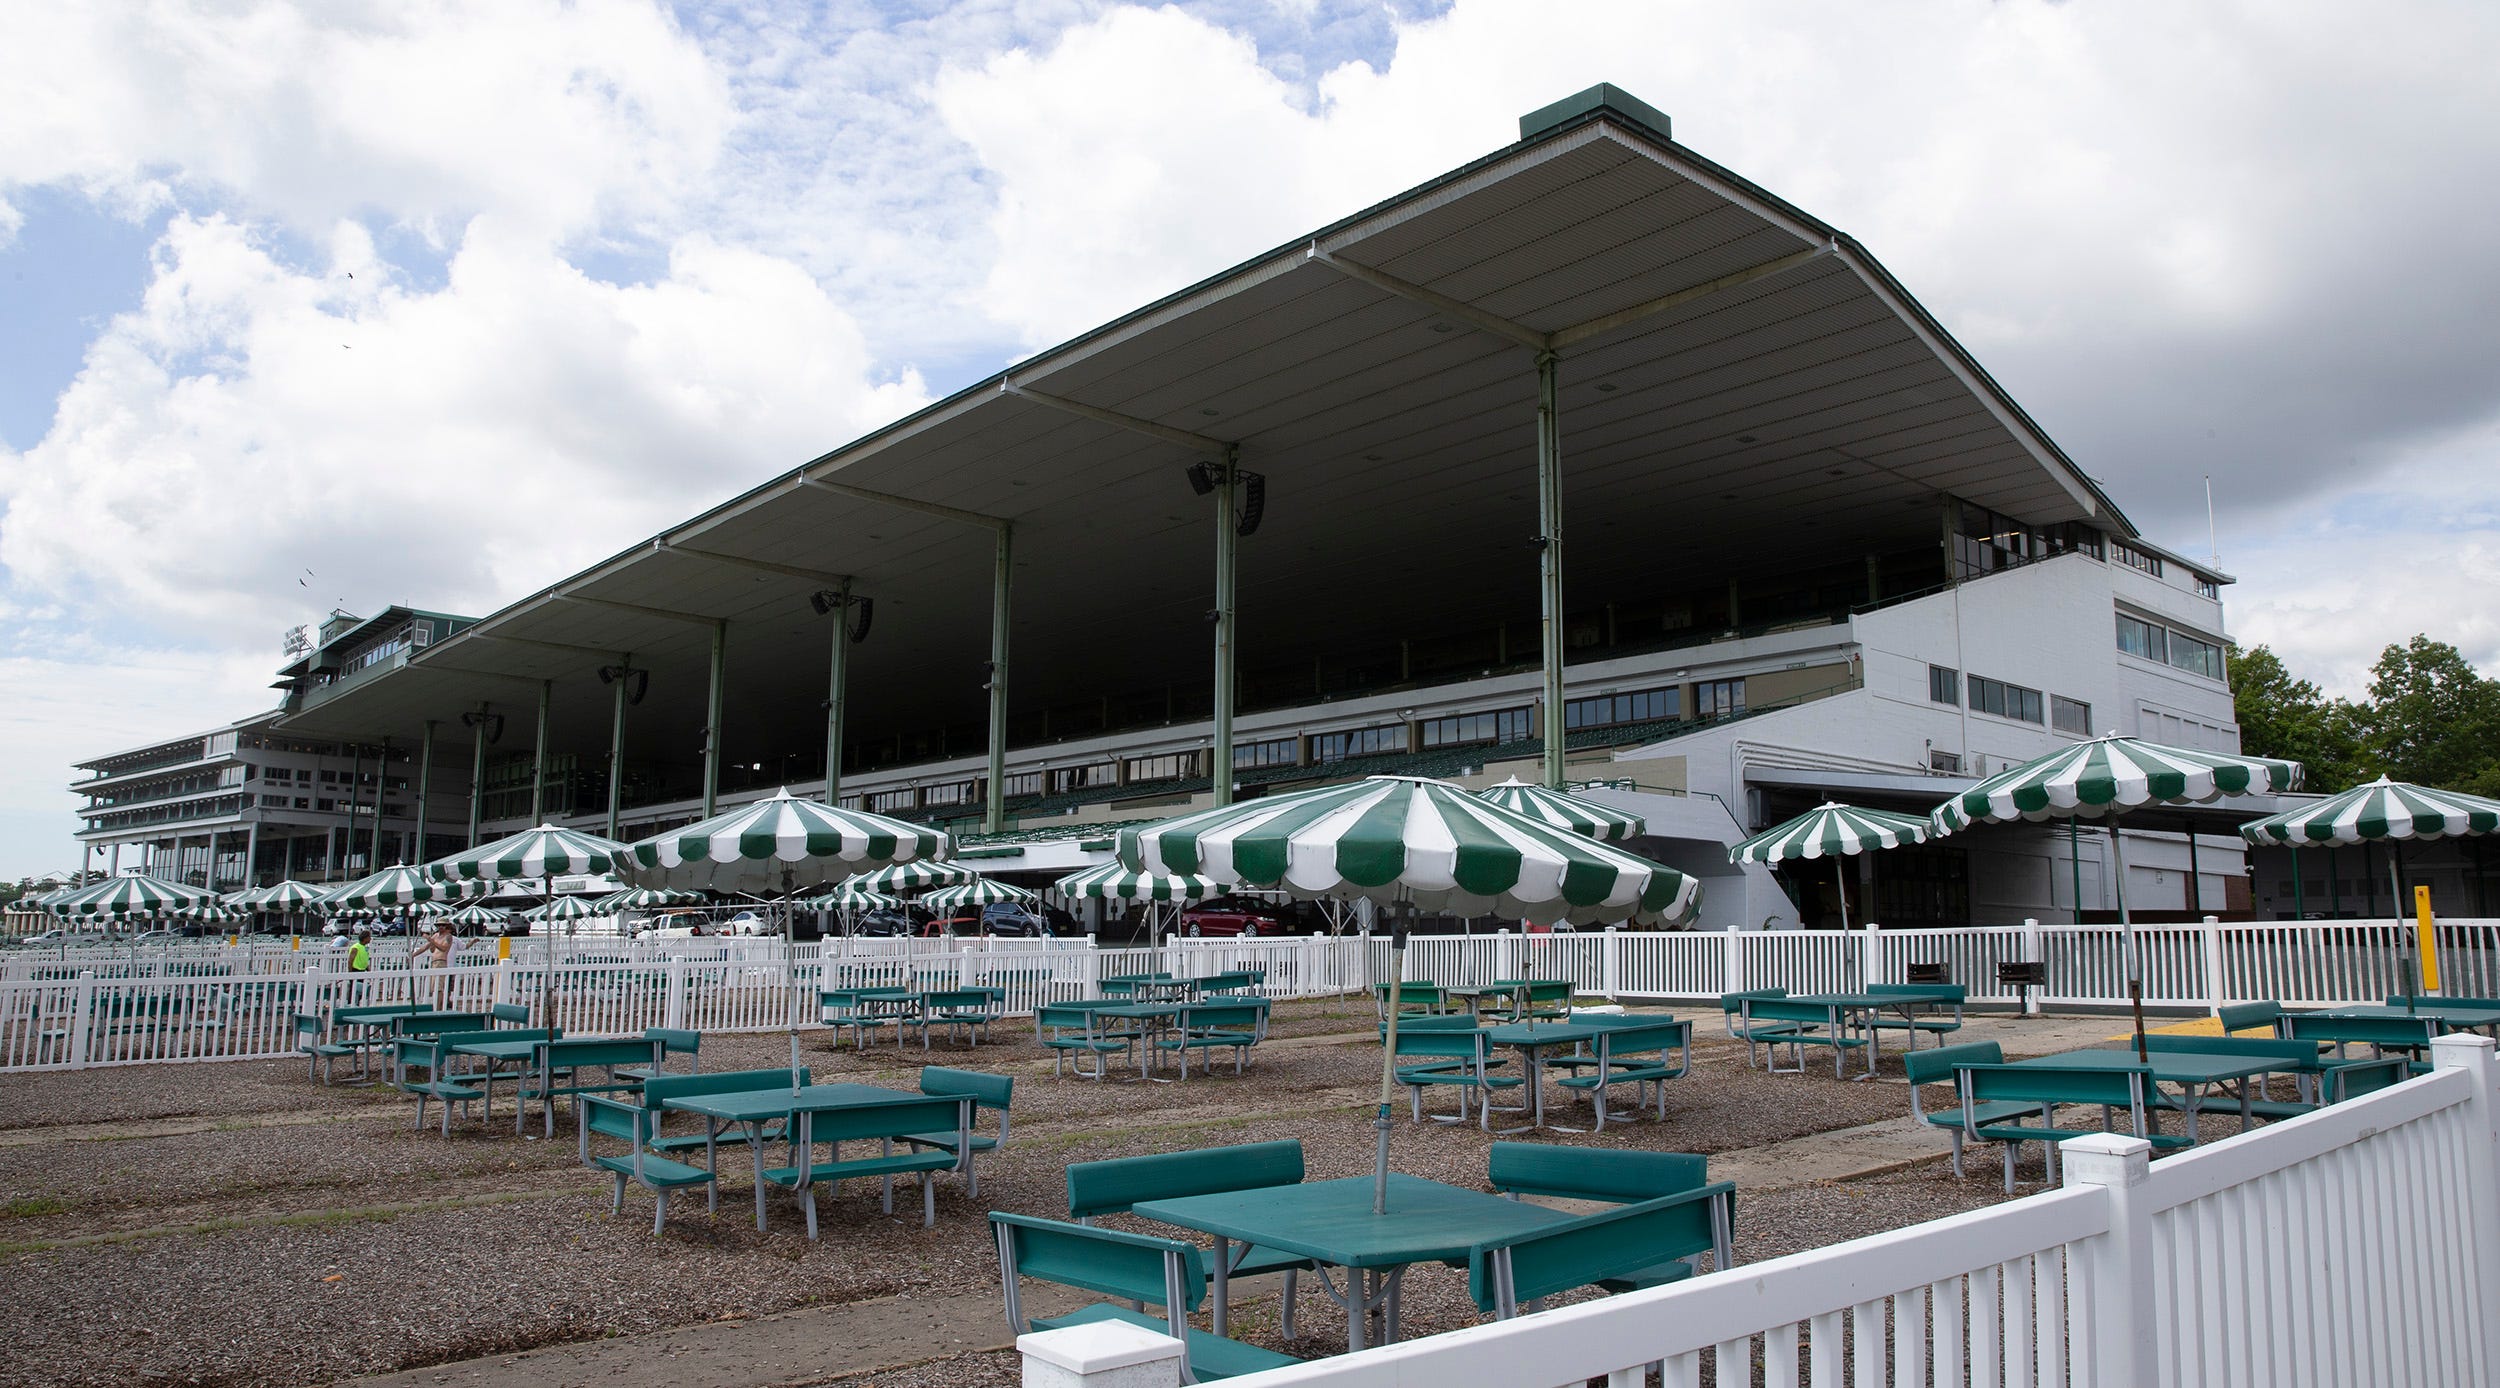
{"type": "Point", "coordinates": [1610, 963]}
{"type": "Point", "coordinates": [1505, 954]}
{"type": "Point", "coordinates": [1872, 955]}
{"type": "Point", "coordinates": [2481, 1152]}
{"type": "Point", "coordinates": [2116, 1276]}
{"type": "Point", "coordinates": [674, 1011]}
{"type": "Point", "coordinates": [2035, 951]}
{"type": "Point", "coordinates": [1733, 966]}
{"type": "Point", "coordinates": [1105, 1354]}
{"type": "Point", "coordinates": [2216, 995]}
{"type": "Point", "coordinates": [82, 1018]}
{"type": "Point", "coordinates": [503, 980]}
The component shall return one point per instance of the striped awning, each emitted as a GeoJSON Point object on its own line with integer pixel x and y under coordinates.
{"type": "Point", "coordinates": [395, 887]}
{"type": "Point", "coordinates": [289, 895]}
{"type": "Point", "coordinates": [1120, 882]}
{"type": "Point", "coordinates": [646, 899]}
{"type": "Point", "coordinates": [2380, 810]}
{"type": "Point", "coordinates": [2110, 775]}
{"type": "Point", "coordinates": [1393, 838]}
{"type": "Point", "coordinates": [543, 852]}
{"type": "Point", "coordinates": [476, 913]}
{"type": "Point", "coordinates": [563, 908]}
{"type": "Point", "coordinates": [980, 891]}
{"type": "Point", "coordinates": [850, 896]}
{"type": "Point", "coordinates": [917, 875]}
{"type": "Point", "coordinates": [778, 843]}
{"type": "Point", "coordinates": [1830, 830]}
{"type": "Point", "coordinates": [1562, 810]}
{"type": "Point", "coordinates": [128, 896]}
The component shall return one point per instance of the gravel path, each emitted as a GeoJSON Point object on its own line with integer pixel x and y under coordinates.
{"type": "Point", "coordinates": [307, 1233]}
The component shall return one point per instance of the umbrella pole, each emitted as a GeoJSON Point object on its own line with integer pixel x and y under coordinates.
{"type": "Point", "coordinates": [1840, 886]}
{"type": "Point", "coordinates": [2396, 907]}
{"type": "Point", "coordinates": [1388, 1066]}
{"type": "Point", "coordinates": [2135, 955]}
{"type": "Point", "coordinates": [790, 970]}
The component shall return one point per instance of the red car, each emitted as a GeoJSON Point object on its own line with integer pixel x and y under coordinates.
{"type": "Point", "coordinates": [1231, 915]}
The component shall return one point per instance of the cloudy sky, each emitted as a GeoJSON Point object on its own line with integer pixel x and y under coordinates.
{"type": "Point", "coordinates": [284, 290]}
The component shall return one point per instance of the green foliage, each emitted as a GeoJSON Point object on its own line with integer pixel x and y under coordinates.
{"type": "Point", "coordinates": [2431, 718]}
{"type": "Point", "coordinates": [2284, 716]}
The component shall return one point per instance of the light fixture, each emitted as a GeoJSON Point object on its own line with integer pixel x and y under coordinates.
{"type": "Point", "coordinates": [1201, 478]}
{"type": "Point", "coordinates": [1605, 387]}
{"type": "Point", "coordinates": [637, 682]}
{"type": "Point", "coordinates": [1253, 501]}
{"type": "Point", "coordinates": [1445, 327]}
{"type": "Point", "coordinates": [1210, 412]}
{"type": "Point", "coordinates": [1747, 438]}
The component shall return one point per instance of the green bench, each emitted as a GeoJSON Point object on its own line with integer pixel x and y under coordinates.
{"type": "Point", "coordinates": [1621, 1177]}
{"type": "Point", "coordinates": [1915, 1026]}
{"type": "Point", "coordinates": [1207, 1027]}
{"type": "Point", "coordinates": [1796, 1025]}
{"type": "Point", "coordinates": [1732, 1005]}
{"type": "Point", "coordinates": [987, 1092]}
{"type": "Point", "coordinates": [556, 1070]}
{"type": "Point", "coordinates": [2408, 1036]}
{"type": "Point", "coordinates": [1635, 1055]}
{"type": "Point", "coordinates": [312, 1041]}
{"type": "Point", "coordinates": [1098, 1188]}
{"type": "Point", "coordinates": [642, 1165]}
{"type": "Point", "coordinates": [1455, 1055]}
{"type": "Point", "coordinates": [1069, 1033]}
{"type": "Point", "coordinates": [2037, 1090]}
{"type": "Point", "coordinates": [671, 1041]}
{"type": "Point", "coordinates": [441, 1084]}
{"type": "Point", "coordinates": [886, 1125]}
{"type": "Point", "coordinates": [1124, 986]}
{"type": "Point", "coordinates": [1135, 1267]}
{"type": "Point", "coordinates": [1937, 1065]}
{"type": "Point", "coordinates": [1611, 1247]}
{"type": "Point", "coordinates": [1538, 999]}
{"type": "Point", "coordinates": [2248, 1016]}
{"type": "Point", "coordinates": [660, 1088]}
{"type": "Point", "coordinates": [968, 1010]}
{"type": "Point", "coordinates": [862, 1013]}
{"type": "Point", "coordinates": [1429, 999]}
{"type": "Point", "coordinates": [1233, 981]}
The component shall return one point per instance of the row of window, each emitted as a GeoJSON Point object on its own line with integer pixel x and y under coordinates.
{"type": "Point", "coordinates": [1459, 730]}
{"type": "Point", "coordinates": [2153, 641]}
{"type": "Point", "coordinates": [1944, 686]}
{"type": "Point", "coordinates": [1610, 710]}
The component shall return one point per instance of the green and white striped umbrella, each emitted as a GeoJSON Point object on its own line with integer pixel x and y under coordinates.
{"type": "Point", "coordinates": [2380, 810]}
{"type": "Point", "coordinates": [289, 895]}
{"type": "Point", "coordinates": [2110, 775]}
{"type": "Point", "coordinates": [1830, 830]}
{"type": "Point", "coordinates": [212, 911]}
{"type": "Point", "coordinates": [1117, 881]}
{"type": "Point", "coordinates": [913, 876]}
{"type": "Point", "coordinates": [646, 899]}
{"type": "Point", "coordinates": [395, 887]}
{"type": "Point", "coordinates": [779, 842]}
{"type": "Point", "coordinates": [980, 891]}
{"type": "Point", "coordinates": [563, 908]}
{"type": "Point", "coordinates": [475, 913]}
{"type": "Point", "coordinates": [128, 896]}
{"type": "Point", "coordinates": [1561, 810]}
{"type": "Point", "coordinates": [544, 852]}
{"type": "Point", "coordinates": [851, 897]}
{"type": "Point", "coordinates": [1394, 838]}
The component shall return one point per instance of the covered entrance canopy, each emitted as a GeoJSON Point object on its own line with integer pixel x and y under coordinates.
{"type": "Point", "coordinates": [1720, 359]}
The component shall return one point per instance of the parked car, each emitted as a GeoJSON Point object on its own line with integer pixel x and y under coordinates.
{"type": "Point", "coordinates": [157, 937]}
{"type": "Point", "coordinates": [1013, 919]}
{"type": "Point", "coordinates": [748, 923]}
{"type": "Point", "coordinates": [1232, 915]}
{"type": "Point", "coordinates": [60, 936]}
{"type": "Point", "coordinates": [891, 924]}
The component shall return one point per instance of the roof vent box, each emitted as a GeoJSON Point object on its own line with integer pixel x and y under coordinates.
{"type": "Point", "coordinates": [1606, 97]}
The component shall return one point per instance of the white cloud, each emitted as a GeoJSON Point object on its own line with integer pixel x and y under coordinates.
{"type": "Point", "coordinates": [549, 115]}
{"type": "Point", "coordinates": [453, 448]}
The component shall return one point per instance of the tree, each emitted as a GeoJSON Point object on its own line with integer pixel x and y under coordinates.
{"type": "Point", "coordinates": [2433, 719]}
{"type": "Point", "coordinates": [2281, 715]}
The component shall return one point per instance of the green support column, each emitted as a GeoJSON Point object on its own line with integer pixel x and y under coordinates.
{"type": "Point", "coordinates": [616, 746]}
{"type": "Point", "coordinates": [425, 784]}
{"type": "Point", "coordinates": [1549, 559]}
{"type": "Point", "coordinates": [837, 688]}
{"type": "Point", "coordinates": [994, 821]}
{"type": "Point", "coordinates": [711, 719]}
{"type": "Point", "coordinates": [538, 773]}
{"type": "Point", "coordinates": [477, 771]}
{"type": "Point", "coordinates": [381, 791]}
{"type": "Point", "coordinates": [1227, 546]}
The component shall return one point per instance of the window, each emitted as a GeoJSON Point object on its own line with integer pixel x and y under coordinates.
{"type": "Point", "coordinates": [1277, 751]}
{"type": "Point", "coordinates": [2208, 588]}
{"type": "Point", "coordinates": [889, 801]}
{"type": "Point", "coordinates": [951, 793]}
{"type": "Point", "coordinates": [2070, 715]}
{"type": "Point", "coordinates": [1362, 742]}
{"type": "Point", "coordinates": [1068, 778]}
{"type": "Point", "coordinates": [1718, 698]}
{"type": "Point", "coordinates": [1944, 686]}
{"type": "Point", "coordinates": [1168, 767]}
{"type": "Point", "coordinates": [2004, 700]}
{"type": "Point", "coordinates": [1025, 783]}
{"type": "Point", "coordinates": [1501, 725]}
{"type": "Point", "coordinates": [2142, 638]}
{"type": "Point", "coordinates": [2194, 656]}
{"type": "Point", "coordinates": [1607, 710]}
{"type": "Point", "coordinates": [2134, 558]}
{"type": "Point", "coordinates": [1948, 762]}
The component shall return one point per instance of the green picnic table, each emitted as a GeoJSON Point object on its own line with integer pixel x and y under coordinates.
{"type": "Point", "coordinates": [2450, 1016]}
{"type": "Point", "coordinates": [1534, 1039]}
{"type": "Point", "coordinates": [1331, 1222]}
{"type": "Point", "coordinates": [2193, 1071]}
{"type": "Point", "coordinates": [1152, 1019]}
{"type": "Point", "coordinates": [751, 1109]}
{"type": "Point", "coordinates": [496, 1053]}
{"type": "Point", "coordinates": [1846, 1007]}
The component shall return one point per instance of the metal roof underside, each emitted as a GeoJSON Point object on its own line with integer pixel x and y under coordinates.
{"type": "Point", "coordinates": [1398, 443]}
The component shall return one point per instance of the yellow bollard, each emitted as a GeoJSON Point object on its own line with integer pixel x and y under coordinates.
{"type": "Point", "coordinates": [503, 947]}
{"type": "Point", "coordinates": [294, 942]}
{"type": "Point", "coordinates": [2429, 932]}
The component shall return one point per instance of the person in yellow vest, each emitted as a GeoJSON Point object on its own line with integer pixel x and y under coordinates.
{"type": "Point", "coordinates": [360, 962]}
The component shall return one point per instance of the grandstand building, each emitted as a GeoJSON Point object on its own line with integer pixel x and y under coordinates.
{"type": "Point", "coordinates": [1588, 461]}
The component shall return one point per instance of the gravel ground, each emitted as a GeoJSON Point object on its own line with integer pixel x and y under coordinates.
{"type": "Point", "coordinates": [307, 1233]}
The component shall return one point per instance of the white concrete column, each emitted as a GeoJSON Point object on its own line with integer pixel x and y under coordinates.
{"type": "Point", "coordinates": [1105, 1354]}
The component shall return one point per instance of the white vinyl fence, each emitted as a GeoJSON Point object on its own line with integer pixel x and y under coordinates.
{"type": "Point", "coordinates": [210, 1001]}
{"type": "Point", "coordinates": [2355, 1246]}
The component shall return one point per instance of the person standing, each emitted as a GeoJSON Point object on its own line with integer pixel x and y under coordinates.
{"type": "Point", "coordinates": [359, 963]}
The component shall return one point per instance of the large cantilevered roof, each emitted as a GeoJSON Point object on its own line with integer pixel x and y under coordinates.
{"type": "Point", "coordinates": [1736, 379]}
